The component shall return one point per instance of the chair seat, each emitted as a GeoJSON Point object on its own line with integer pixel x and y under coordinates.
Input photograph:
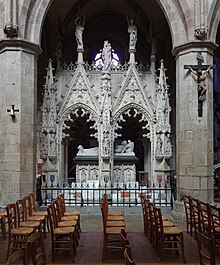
{"type": "Point", "coordinates": [120, 213]}
{"type": "Point", "coordinates": [113, 230]}
{"type": "Point", "coordinates": [22, 230]}
{"type": "Point", "coordinates": [172, 230]}
{"type": "Point", "coordinates": [3, 213]}
{"type": "Point", "coordinates": [69, 218]}
{"type": "Point", "coordinates": [115, 218]}
{"type": "Point", "coordinates": [115, 223]}
{"type": "Point", "coordinates": [34, 224]}
{"type": "Point", "coordinates": [64, 230]}
{"type": "Point", "coordinates": [67, 223]}
{"type": "Point", "coordinates": [36, 218]}
{"type": "Point", "coordinates": [168, 223]}
{"type": "Point", "coordinates": [72, 213]}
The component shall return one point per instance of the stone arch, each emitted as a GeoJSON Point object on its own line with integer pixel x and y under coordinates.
{"type": "Point", "coordinates": [146, 117]}
{"type": "Point", "coordinates": [65, 116]}
{"type": "Point", "coordinates": [178, 15]}
{"type": "Point", "coordinates": [32, 16]}
{"type": "Point", "coordinates": [213, 19]}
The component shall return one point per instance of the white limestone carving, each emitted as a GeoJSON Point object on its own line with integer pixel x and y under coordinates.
{"type": "Point", "coordinates": [107, 56]}
{"type": "Point", "coordinates": [125, 148]}
{"type": "Point", "coordinates": [87, 151]}
{"type": "Point", "coordinates": [79, 32]}
{"type": "Point", "coordinates": [107, 100]}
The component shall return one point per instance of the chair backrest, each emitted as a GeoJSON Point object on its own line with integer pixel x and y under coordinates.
{"type": "Point", "coordinates": [36, 249]}
{"type": "Point", "coordinates": [127, 256]}
{"type": "Point", "coordinates": [21, 211]}
{"type": "Point", "coordinates": [28, 205]}
{"type": "Point", "coordinates": [206, 248]}
{"type": "Point", "coordinates": [56, 210]}
{"type": "Point", "coordinates": [61, 200]}
{"type": "Point", "coordinates": [12, 216]}
{"type": "Point", "coordinates": [187, 206]}
{"type": "Point", "coordinates": [51, 219]}
{"type": "Point", "coordinates": [18, 257]}
{"type": "Point", "coordinates": [205, 218]}
{"type": "Point", "coordinates": [158, 220]}
{"type": "Point", "coordinates": [215, 221]}
{"type": "Point", "coordinates": [196, 214]}
{"type": "Point", "coordinates": [32, 201]}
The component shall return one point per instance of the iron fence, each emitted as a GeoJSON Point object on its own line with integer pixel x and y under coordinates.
{"type": "Point", "coordinates": [123, 194]}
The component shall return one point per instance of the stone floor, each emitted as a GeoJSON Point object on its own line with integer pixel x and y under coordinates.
{"type": "Point", "coordinates": [90, 245]}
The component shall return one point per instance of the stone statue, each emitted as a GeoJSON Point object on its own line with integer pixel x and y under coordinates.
{"type": "Point", "coordinates": [107, 56]}
{"type": "Point", "coordinates": [79, 32]}
{"type": "Point", "coordinates": [132, 30]}
{"type": "Point", "coordinates": [87, 151]}
{"type": "Point", "coordinates": [126, 147]}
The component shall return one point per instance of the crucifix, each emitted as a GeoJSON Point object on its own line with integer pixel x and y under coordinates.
{"type": "Point", "coordinates": [200, 71]}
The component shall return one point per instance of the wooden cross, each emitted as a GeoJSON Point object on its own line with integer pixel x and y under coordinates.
{"type": "Point", "coordinates": [200, 70]}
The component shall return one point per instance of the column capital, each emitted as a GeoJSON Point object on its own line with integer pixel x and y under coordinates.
{"type": "Point", "coordinates": [19, 45]}
{"type": "Point", "coordinates": [194, 46]}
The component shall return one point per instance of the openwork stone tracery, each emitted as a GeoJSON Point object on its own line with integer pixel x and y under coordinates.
{"type": "Point", "coordinates": [106, 98]}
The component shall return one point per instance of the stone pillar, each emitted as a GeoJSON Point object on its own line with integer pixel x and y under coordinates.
{"type": "Point", "coordinates": [194, 134]}
{"type": "Point", "coordinates": [18, 72]}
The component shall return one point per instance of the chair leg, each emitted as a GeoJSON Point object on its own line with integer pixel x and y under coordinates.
{"type": "Point", "coordinates": [182, 248]}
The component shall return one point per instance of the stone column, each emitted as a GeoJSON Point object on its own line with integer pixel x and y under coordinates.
{"type": "Point", "coordinates": [194, 134]}
{"type": "Point", "coordinates": [18, 75]}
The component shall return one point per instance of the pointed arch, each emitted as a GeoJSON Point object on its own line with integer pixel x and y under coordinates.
{"type": "Point", "coordinates": [32, 15]}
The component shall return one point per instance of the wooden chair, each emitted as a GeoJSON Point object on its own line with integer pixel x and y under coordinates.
{"type": "Point", "coordinates": [111, 236]}
{"type": "Point", "coordinates": [36, 249]}
{"type": "Point", "coordinates": [127, 256]}
{"type": "Point", "coordinates": [62, 238]}
{"type": "Point", "coordinates": [214, 213]}
{"type": "Point", "coordinates": [187, 200]}
{"type": "Point", "coordinates": [31, 215]}
{"type": "Point", "coordinates": [111, 222]}
{"type": "Point", "coordinates": [111, 214]}
{"type": "Point", "coordinates": [3, 223]}
{"type": "Point", "coordinates": [205, 226]}
{"type": "Point", "coordinates": [22, 216]}
{"type": "Point", "coordinates": [32, 203]}
{"type": "Point", "coordinates": [18, 257]}
{"type": "Point", "coordinates": [206, 248]}
{"type": "Point", "coordinates": [17, 236]}
{"type": "Point", "coordinates": [168, 237]}
{"type": "Point", "coordinates": [145, 213]}
{"type": "Point", "coordinates": [66, 220]}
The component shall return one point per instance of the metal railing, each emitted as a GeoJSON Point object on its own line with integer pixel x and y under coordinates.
{"type": "Point", "coordinates": [119, 195]}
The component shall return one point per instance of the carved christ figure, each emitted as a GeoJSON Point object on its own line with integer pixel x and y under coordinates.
{"type": "Point", "coordinates": [79, 33]}
{"type": "Point", "coordinates": [201, 76]}
{"type": "Point", "coordinates": [132, 30]}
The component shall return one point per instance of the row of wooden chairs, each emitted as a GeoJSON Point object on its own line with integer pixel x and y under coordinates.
{"type": "Point", "coordinates": [202, 216]}
{"type": "Point", "coordinates": [162, 233]}
{"type": "Point", "coordinates": [203, 223]}
{"type": "Point", "coordinates": [23, 221]}
{"type": "Point", "coordinates": [64, 227]}
{"type": "Point", "coordinates": [114, 228]}
{"type": "Point", "coordinates": [35, 249]}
